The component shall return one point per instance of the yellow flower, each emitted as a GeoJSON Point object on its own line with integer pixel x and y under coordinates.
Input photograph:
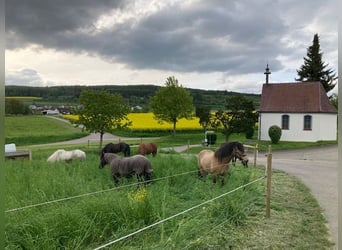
{"type": "Point", "coordinates": [139, 196]}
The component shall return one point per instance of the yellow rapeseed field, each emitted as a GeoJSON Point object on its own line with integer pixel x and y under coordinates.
{"type": "Point", "coordinates": [146, 121]}
{"type": "Point", "coordinates": [28, 98]}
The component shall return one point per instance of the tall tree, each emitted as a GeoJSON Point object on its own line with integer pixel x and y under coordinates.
{"type": "Point", "coordinates": [203, 113]}
{"type": "Point", "coordinates": [172, 103]}
{"type": "Point", "coordinates": [239, 116]}
{"type": "Point", "coordinates": [102, 112]}
{"type": "Point", "coordinates": [314, 69]}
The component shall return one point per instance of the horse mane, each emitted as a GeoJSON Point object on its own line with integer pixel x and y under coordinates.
{"type": "Point", "coordinates": [227, 149]}
{"type": "Point", "coordinates": [224, 150]}
{"type": "Point", "coordinates": [239, 146]}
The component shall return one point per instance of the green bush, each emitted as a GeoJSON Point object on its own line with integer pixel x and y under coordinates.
{"type": "Point", "coordinates": [274, 133]}
{"type": "Point", "coordinates": [249, 133]}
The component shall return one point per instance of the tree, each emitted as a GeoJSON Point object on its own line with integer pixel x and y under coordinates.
{"type": "Point", "coordinates": [239, 117]}
{"type": "Point", "coordinates": [203, 113]}
{"type": "Point", "coordinates": [102, 112]}
{"type": "Point", "coordinates": [314, 69]}
{"type": "Point", "coordinates": [172, 103]}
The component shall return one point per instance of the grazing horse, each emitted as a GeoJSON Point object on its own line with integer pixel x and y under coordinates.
{"type": "Point", "coordinates": [216, 163]}
{"type": "Point", "coordinates": [137, 165]}
{"type": "Point", "coordinates": [63, 155]}
{"type": "Point", "coordinates": [116, 148]}
{"type": "Point", "coordinates": [147, 148]}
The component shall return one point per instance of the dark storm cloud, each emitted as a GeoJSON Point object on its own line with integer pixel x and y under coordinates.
{"type": "Point", "coordinates": [224, 38]}
{"type": "Point", "coordinates": [234, 37]}
{"type": "Point", "coordinates": [41, 22]}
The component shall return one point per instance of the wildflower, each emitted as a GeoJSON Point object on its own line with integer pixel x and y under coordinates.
{"type": "Point", "coordinates": [139, 196]}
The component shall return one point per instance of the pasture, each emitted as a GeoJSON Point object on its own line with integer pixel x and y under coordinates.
{"type": "Point", "coordinates": [95, 212]}
{"type": "Point", "coordinates": [89, 221]}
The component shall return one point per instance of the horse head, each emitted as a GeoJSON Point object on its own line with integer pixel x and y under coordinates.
{"type": "Point", "coordinates": [105, 159]}
{"type": "Point", "coordinates": [239, 152]}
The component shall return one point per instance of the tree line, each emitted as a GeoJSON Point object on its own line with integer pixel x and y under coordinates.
{"type": "Point", "coordinates": [103, 112]}
{"type": "Point", "coordinates": [135, 95]}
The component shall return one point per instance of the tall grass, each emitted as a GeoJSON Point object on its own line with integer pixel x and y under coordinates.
{"type": "Point", "coordinates": [235, 221]}
{"type": "Point", "coordinates": [87, 222]}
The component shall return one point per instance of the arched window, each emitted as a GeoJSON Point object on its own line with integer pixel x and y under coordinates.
{"type": "Point", "coordinates": [307, 122]}
{"type": "Point", "coordinates": [285, 122]}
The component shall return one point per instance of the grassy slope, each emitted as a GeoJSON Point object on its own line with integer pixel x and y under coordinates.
{"type": "Point", "coordinates": [27, 130]}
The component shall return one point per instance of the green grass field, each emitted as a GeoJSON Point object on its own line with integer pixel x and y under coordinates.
{"type": "Point", "coordinates": [28, 130]}
{"type": "Point", "coordinates": [235, 221]}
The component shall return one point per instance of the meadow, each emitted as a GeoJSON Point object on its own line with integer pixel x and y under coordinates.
{"type": "Point", "coordinates": [235, 221]}
{"type": "Point", "coordinates": [100, 213]}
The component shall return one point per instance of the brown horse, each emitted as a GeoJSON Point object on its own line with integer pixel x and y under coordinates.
{"type": "Point", "coordinates": [147, 148]}
{"type": "Point", "coordinates": [216, 163]}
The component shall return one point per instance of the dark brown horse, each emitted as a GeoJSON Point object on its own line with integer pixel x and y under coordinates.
{"type": "Point", "coordinates": [116, 148]}
{"type": "Point", "coordinates": [137, 165]}
{"type": "Point", "coordinates": [216, 163]}
{"type": "Point", "coordinates": [147, 148]}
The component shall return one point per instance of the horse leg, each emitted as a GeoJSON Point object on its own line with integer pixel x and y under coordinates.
{"type": "Point", "coordinates": [222, 179]}
{"type": "Point", "coordinates": [214, 178]}
{"type": "Point", "coordinates": [116, 180]}
{"type": "Point", "coordinates": [147, 178]}
{"type": "Point", "coordinates": [201, 174]}
{"type": "Point", "coordinates": [140, 179]}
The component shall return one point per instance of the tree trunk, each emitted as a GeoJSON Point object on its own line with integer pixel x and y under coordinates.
{"type": "Point", "coordinates": [174, 128]}
{"type": "Point", "coordinates": [226, 134]}
{"type": "Point", "coordinates": [101, 140]}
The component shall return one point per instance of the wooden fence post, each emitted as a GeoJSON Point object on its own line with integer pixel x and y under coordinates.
{"type": "Point", "coordinates": [268, 182]}
{"type": "Point", "coordinates": [255, 154]}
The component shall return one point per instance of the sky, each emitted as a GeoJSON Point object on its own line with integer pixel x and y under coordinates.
{"type": "Point", "coordinates": [210, 45]}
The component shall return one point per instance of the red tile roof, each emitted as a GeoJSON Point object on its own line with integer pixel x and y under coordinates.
{"type": "Point", "coordinates": [297, 97]}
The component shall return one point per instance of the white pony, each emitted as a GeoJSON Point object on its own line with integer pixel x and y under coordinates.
{"type": "Point", "coordinates": [63, 155]}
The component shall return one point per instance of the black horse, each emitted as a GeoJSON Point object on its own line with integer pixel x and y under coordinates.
{"type": "Point", "coordinates": [116, 148]}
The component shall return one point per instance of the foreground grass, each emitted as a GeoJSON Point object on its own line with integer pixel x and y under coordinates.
{"type": "Point", "coordinates": [236, 221]}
